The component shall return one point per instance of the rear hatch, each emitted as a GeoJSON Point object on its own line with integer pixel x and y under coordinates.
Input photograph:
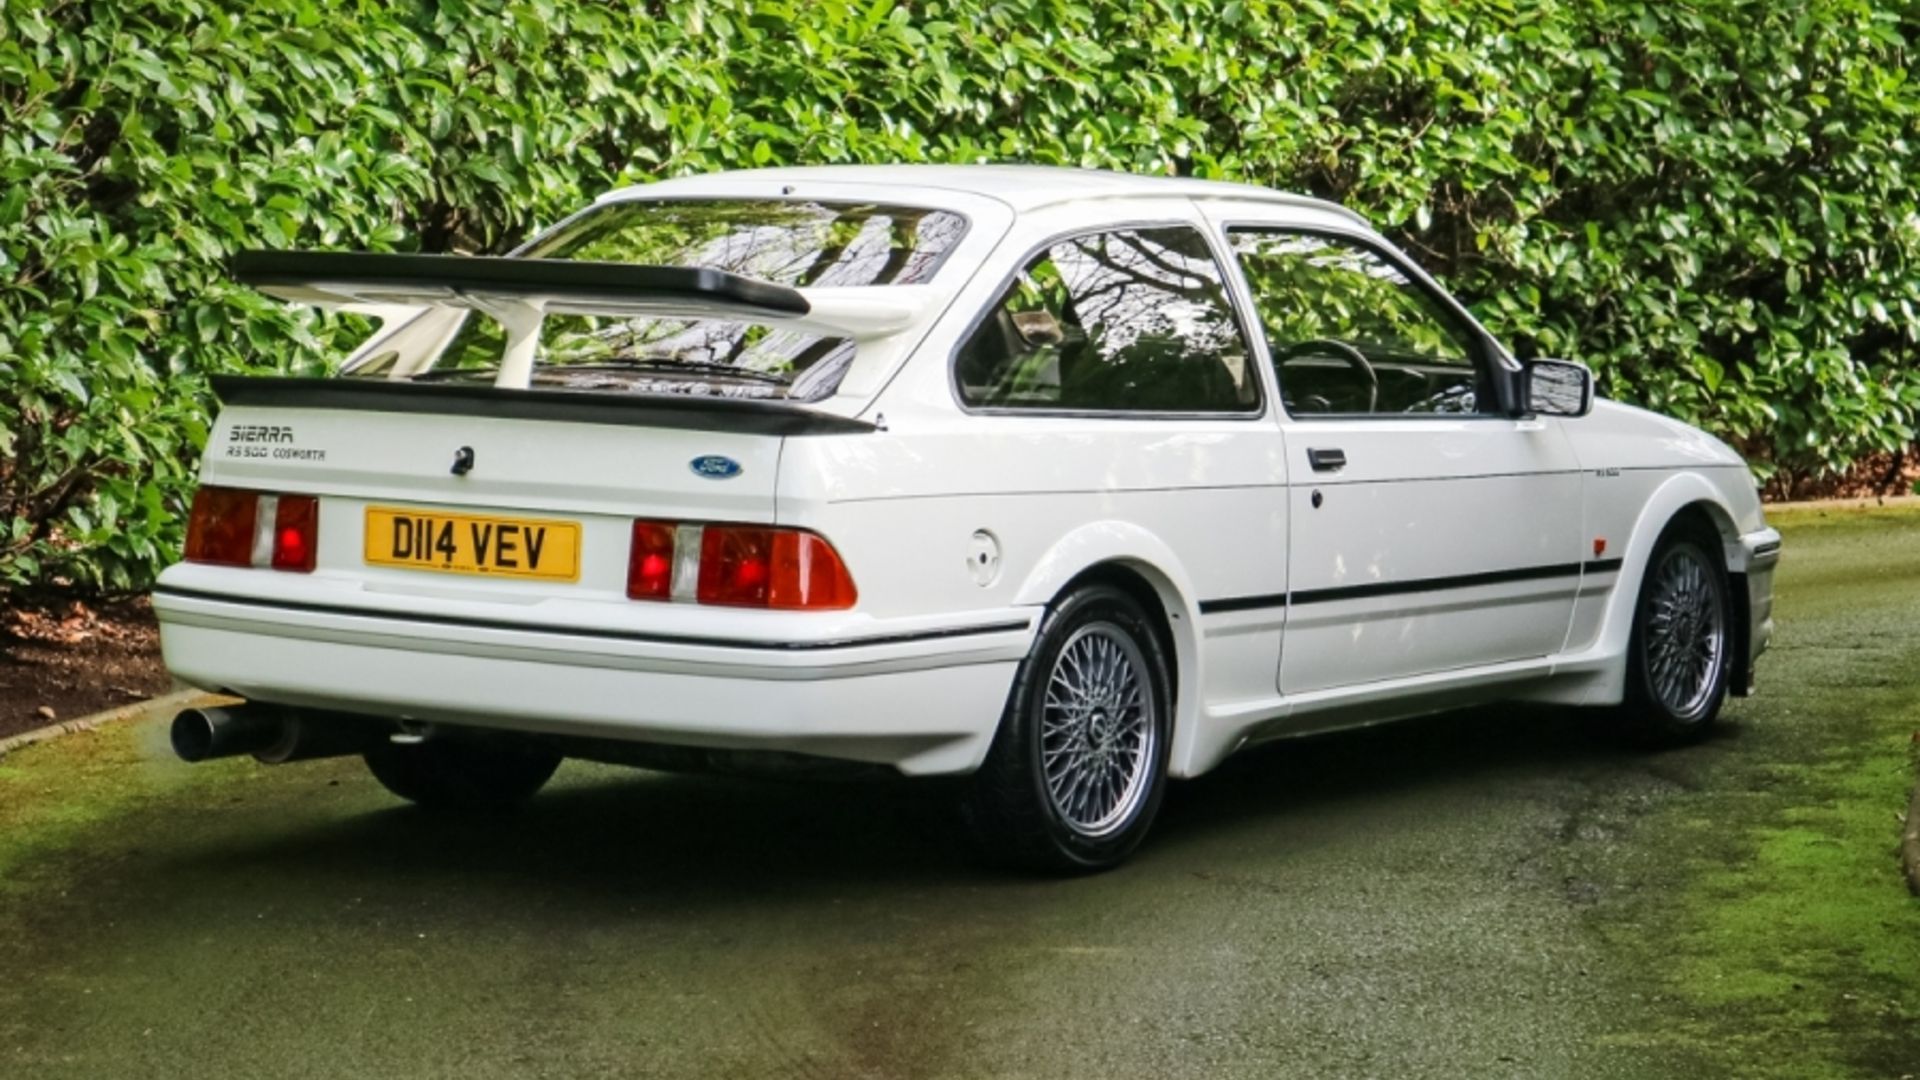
{"type": "Point", "coordinates": [645, 360]}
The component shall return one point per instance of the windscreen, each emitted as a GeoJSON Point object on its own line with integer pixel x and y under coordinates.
{"type": "Point", "coordinates": [793, 243]}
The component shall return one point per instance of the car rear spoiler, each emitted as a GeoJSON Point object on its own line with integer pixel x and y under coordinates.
{"type": "Point", "coordinates": [519, 293]}
{"type": "Point", "coordinates": [752, 416]}
{"type": "Point", "coordinates": [558, 285]}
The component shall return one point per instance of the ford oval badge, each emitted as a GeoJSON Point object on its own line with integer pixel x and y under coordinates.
{"type": "Point", "coordinates": [715, 467]}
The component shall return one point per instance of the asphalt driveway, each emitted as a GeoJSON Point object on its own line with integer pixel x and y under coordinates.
{"type": "Point", "coordinates": [1486, 894]}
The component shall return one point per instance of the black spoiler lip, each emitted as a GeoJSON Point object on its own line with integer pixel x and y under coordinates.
{"type": "Point", "coordinates": [746, 416]}
{"type": "Point", "coordinates": [342, 275]}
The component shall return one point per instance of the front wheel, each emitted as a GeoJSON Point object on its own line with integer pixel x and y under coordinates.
{"type": "Point", "coordinates": [1078, 767]}
{"type": "Point", "coordinates": [462, 774]}
{"type": "Point", "coordinates": [1680, 655]}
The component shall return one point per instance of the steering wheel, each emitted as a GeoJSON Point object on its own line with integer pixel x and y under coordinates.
{"type": "Point", "coordinates": [1329, 347]}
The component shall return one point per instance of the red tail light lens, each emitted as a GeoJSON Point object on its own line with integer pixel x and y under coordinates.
{"type": "Point", "coordinates": [808, 573]}
{"type": "Point", "coordinates": [296, 528]}
{"type": "Point", "coordinates": [745, 566]}
{"type": "Point", "coordinates": [220, 530]}
{"type": "Point", "coordinates": [650, 561]}
{"type": "Point", "coordinates": [252, 528]}
{"type": "Point", "coordinates": [736, 565]}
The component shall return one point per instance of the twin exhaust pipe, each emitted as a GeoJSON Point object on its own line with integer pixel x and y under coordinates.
{"type": "Point", "coordinates": [273, 735]}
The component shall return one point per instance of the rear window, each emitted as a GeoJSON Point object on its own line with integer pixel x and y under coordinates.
{"type": "Point", "coordinates": [795, 243]}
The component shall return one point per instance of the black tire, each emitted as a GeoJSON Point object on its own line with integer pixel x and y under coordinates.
{"type": "Point", "coordinates": [462, 774]}
{"type": "Point", "coordinates": [1669, 704]}
{"type": "Point", "coordinates": [1010, 805]}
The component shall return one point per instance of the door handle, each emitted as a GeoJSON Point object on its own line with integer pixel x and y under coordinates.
{"type": "Point", "coordinates": [1327, 460]}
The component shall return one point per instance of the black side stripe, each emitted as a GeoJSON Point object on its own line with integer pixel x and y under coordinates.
{"type": "Point", "coordinates": [1418, 585]}
{"type": "Point", "coordinates": [587, 631]}
{"type": "Point", "coordinates": [1242, 603]}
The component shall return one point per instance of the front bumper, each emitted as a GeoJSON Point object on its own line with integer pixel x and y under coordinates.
{"type": "Point", "coordinates": [924, 700]}
{"type": "Point", "coordinates": [1761, 551]}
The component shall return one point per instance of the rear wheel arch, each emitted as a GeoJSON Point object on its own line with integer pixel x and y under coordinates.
{"type": "Point", "coordinates": [1157, 594]}
{"type": "Point", "coordinates": [1073, 782]}
{"type": "Point", "coordinates": [1135, 560]}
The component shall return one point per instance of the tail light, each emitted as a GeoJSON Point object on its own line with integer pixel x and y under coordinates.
{"type": "Point", "coordinates": [220, 530]}
{"type": "Point", "coordinates": [775, 568]}
{"type": "Point", "coordinates": [229, 527]}
{"type": "Point", "coordinates": [737, 566]}
{"type": "Point", "coordinates": [650, 561]}
{"type": "Point", "coordinates": [296, 528]}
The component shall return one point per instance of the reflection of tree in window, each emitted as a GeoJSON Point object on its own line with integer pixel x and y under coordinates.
{"type": "Point", "coordinates": [1311, 290]}
{"type": "Point", "coordinates": [788, 243]}
{"type": "Point", "coordinates": [1130, 320]}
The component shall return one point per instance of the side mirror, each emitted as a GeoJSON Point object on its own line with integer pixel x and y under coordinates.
{"type": "Point", "coordinates": [1556, 388]}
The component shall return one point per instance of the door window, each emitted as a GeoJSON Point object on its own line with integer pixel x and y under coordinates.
{"type": "Point", "coordinates": [1351, 333]}
{"type": "Point", "coordinates": [1125, 321]}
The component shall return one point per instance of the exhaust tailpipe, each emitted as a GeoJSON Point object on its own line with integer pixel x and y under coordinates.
{"type": "Point", "coordinates": [204, 734]}
{"type": "Point", "coordinates": [273, 735]}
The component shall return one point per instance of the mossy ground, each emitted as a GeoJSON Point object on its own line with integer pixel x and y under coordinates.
{"type": "Point", "coordinates": [1777, 933]}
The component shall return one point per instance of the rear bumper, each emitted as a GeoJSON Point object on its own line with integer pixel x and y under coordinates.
{"type": "Point", "coordinates": [921, 699]}
{"type": "Point", "coordinates": [1762, 554]}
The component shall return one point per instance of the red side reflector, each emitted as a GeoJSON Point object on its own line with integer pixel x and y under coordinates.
{"type": "Point", "coordinates": [296, 532]}
{"type": "Point", "coordinates": [650, 561]}
{"type": "Point", "coordinates": [744, 566]}
{"type": "Point", "coordinates": [220, 529]}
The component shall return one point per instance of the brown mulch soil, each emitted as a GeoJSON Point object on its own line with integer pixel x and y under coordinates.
{"type": "Point", "coordinates": [68, 660]}
{"type": "Point", "coordinates": [1876, 474]}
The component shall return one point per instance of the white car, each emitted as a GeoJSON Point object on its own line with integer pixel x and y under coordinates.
{"type": "Point", "coordinates": [1067, 482]}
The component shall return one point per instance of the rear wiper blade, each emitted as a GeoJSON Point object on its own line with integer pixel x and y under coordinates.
{"type": "Point", "coordinates": [690, 367]}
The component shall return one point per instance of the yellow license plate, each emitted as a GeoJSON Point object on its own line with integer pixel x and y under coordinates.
{"type": "Point", "coordinates": [472, 544]}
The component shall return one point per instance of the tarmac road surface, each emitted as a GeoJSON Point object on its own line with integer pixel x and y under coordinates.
{"type": "Point", "coordinates": [1417, 900]}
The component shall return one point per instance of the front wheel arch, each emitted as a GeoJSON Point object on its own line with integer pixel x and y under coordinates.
{"type": "Point", "coordinates": [1646, 714]}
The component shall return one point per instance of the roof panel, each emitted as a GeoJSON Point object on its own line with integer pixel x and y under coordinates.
{"type": "Point", "coordinates": [1023, 187]}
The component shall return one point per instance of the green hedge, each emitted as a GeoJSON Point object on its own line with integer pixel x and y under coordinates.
{"type": "Point", "coordinates": [1710, 202]}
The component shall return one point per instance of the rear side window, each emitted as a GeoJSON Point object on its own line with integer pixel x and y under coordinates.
{"type": "Point", "coordinates": [1125, 321]}
{"type": "Point", "coordinates": [796, 243]}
